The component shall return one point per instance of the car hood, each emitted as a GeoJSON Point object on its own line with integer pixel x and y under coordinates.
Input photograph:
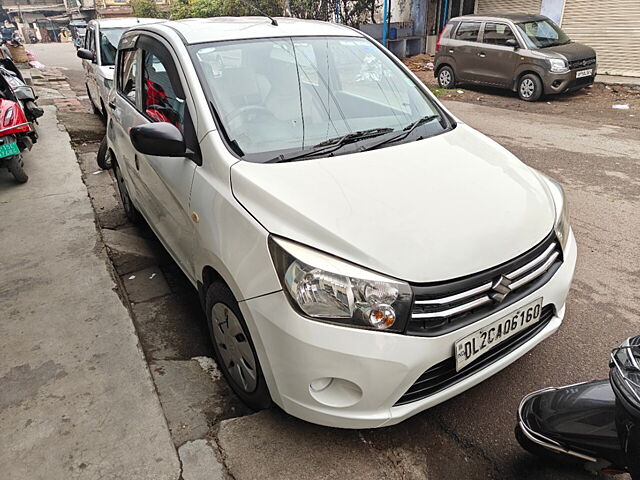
{"type": "Point", "coordinates": [423, 211]}
{"type": "Point", "coordinates": [571, 51]}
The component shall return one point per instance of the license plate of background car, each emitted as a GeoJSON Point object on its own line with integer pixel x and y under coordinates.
{"type": "Point", "coordinates": [469, 348]}
{"type": "Point", "coordinates": [584, 73]}
{"type": "Point", "coordinates": [9, 149]}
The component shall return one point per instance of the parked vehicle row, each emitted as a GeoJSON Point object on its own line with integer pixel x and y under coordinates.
{"type": "Point", "coordinates": [348, 236]}
{"type": "Point", "coordinates": [528, 54]}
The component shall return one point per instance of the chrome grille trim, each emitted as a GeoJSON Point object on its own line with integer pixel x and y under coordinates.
{"type": "Point", "coordinates": [456, 297]}
{"type": "Point", "coordinates": [532, 263]}
{"type": "Point", "coordinates": [444, 307]}
{"type": "Point", "coordinates": [453, 311]}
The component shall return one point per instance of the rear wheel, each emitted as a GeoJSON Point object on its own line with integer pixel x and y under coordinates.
{"type": "Point", "coordinates": [104, 156]}
{"type": "Point", "coordinates": [446, 77]}
{"type": "Point", "coordinates": [234, 347]}
{"type": "Point", "coordinates": [95, 109]}
{"type": "Point", "coordinates": [129, 209]}
{"type": "Point", "coordinates": [16, 168]}
{"type": "Point", "coordinates": [530, 87]}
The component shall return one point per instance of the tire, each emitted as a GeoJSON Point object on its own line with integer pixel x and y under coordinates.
{"type": "Point", "coordinates": [103, 157]}
{"type": "Point", "coordinates": [130, 210]}
{"type": "Point", "coordinates": [446, 77]}
{"type": "Point", "coordinates": [16, 168]}
{"type": "Point", "coordinates": [233, 347]}
{"type": "Point", "coordinates": [95, 109]}
{"type": "Point", "coordinates": [530, 88]}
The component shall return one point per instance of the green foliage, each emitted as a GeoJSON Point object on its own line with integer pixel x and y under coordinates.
{"type": "Point", "coordinates": [353, 12]}
{"type": "Point", "coordinates": [146, 9]}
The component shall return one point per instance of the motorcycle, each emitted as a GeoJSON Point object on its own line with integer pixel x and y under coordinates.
{"type": "Point", "coordinates": [23, 92]}
{"type": "Point", "coordinates": [595, 422]}
{"type": "Point", "coordinates": [17, 132]}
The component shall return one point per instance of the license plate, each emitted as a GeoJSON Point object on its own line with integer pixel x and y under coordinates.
{"type": "Point", "coordinates": [469, 348]}
{"type": "Point", "coordinates": [584, 73]}
{"type": "Point", "coordinates": [9, 149]}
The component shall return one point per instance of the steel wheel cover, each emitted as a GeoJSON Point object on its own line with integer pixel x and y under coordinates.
{"type": "Point", "coordinates": [234, 348]}
{"type": "Point", "coordinates": [527, 87]}
{"type": "Point", "coordinates": [445, 77]}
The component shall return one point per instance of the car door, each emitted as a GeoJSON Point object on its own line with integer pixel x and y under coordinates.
{"type": "Point", "coordinates": [498, 60]}
{"type": "Point", "coordinates": [464, 47]}
{"type": "Point", "coordinates": [90, 66]}
{"type": "Point", "coordinates": [166, 181]}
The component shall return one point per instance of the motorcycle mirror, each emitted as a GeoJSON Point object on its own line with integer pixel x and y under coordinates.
{"type": "Point", "coordinates": [159, 138]}
{"type": "Point", "coordinates": [85, 54]}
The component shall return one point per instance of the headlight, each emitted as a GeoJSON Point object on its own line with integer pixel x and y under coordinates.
{"type": "Point", "coordinates": [557, 65]}
{"type": "Point", "coordinates": [562, 226]}
{"type": "Point", "coordinates": [325, 288]}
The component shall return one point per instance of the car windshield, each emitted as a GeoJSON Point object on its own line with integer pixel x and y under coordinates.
{"type": "Point", "coordinates": [281, 96]}
{"type": "Point", "coordinates": [542, 34]}
{"type": "Point", "coordinates": [109, 38]}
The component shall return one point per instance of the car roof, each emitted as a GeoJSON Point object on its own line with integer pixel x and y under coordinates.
{"type": "Point", "coordinates": [125, 22]}
{"type": "Point", "coordinates": [514, 17]}
{"type": "Point", "coordinates": [201, 30]}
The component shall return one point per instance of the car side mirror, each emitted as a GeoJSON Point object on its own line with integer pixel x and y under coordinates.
{"type": "Point", "coordinates": [85, 54]}
{"type": "Point", "coordinates": [511, 42]}
{"type": "Point", "coordinates": [160, 138]}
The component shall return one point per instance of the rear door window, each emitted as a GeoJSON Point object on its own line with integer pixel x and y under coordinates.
{"type": "Point", "coordinates": [497, 34]}
{"type": "Point", "coordinates": [468, 31]}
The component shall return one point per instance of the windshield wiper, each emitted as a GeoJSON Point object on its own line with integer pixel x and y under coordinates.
{"type": "Point", "coordinates": [406, 131]}
{"type": "Point", "coordinates": [331, 145]}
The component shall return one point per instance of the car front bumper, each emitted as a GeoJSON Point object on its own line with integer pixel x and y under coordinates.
{"type": "Point", "coordinates": [566, 82]}
{"type": "Point", "coordinates": [374, 368]}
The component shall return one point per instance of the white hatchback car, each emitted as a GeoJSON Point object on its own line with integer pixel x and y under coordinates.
{"type": "Point", "coordinates": [99, 54]}
{"type": "Point", "coordinates": [361, 254]}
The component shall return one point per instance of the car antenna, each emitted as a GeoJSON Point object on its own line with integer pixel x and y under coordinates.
{"type": "Point", "coordinates": [250, 5]}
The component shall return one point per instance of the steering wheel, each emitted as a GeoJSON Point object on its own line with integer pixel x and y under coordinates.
{"type": "Point", "coordinates": [248, 109]}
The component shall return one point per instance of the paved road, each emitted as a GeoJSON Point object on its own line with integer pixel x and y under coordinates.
{"type": "Point", "coordinates": [471, 435]}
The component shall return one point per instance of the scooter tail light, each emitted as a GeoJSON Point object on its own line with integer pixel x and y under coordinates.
{"type": "Point", "coordinates": [8, 117]}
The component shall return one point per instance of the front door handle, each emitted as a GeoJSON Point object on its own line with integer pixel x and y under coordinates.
{"type": "Point", "coordinates": [112, 105]}
{"type": "Point", "coordinates": [482, 54]}
{"type": "Point", "coordinates": [137, 162]}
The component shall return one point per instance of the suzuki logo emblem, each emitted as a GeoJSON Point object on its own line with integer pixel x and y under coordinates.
{"type": "Point", "coordinates": [501, 287]}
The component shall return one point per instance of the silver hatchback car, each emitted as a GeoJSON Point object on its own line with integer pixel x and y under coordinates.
{"type": "Point", "coordinates": [525, 53]}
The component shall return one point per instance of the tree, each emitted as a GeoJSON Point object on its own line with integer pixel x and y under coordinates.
{"type": "Point", "coordinates": [146, 9]}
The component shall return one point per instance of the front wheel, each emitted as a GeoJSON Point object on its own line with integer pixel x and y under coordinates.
{"type": "Point", "coordinates": [530, 88]}
{"type": "Point", "coordinates": [130, 210]}
{"type": "Point", "coordinates": [104, 156]}
{"type": "Point", "coordinates": [16, 167]}
{"type": "Point", "coordinates": [234, 349]}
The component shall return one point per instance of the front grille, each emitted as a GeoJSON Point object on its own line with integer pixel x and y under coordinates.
{"type": "Point", "coordinates": [443, 374]}
{"type": "Point", "coordinates": [444, 307]}
{"type": "Point", "coordinates": [582, 63]}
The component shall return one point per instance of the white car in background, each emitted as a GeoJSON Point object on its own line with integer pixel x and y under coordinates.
{"type": "Point", "coordinates": [99, 53]}
{"type": "Point", "coordinates": [360, 253]}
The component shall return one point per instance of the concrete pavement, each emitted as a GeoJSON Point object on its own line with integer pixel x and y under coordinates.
{"type": "Point", "coordinates": [76, 396]}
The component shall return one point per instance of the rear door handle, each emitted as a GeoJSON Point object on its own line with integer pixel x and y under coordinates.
{"type": "Point", "coordinates": [482, 54]}
{"type": "Point", "coordinates": [451, 50]}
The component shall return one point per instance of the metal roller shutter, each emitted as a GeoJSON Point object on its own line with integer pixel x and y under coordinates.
{"type": "Point", "coordinates": [509, 6]}
{"type": "Point", "coordinates": [611, 27]}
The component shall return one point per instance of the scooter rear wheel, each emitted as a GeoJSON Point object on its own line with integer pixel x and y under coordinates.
{"type": "Point", "coordinates": [17, 170]}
